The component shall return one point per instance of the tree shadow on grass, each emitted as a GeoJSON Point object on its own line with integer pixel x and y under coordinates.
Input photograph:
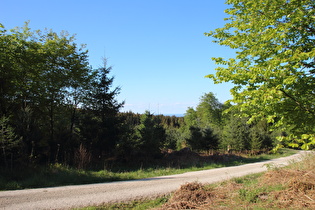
{"type": "Point", "coordinates": [185, 159]}
{"type": "Point", "coordinates": [50, 177]}
{"type": "Point", "coordinates": [135, 168]}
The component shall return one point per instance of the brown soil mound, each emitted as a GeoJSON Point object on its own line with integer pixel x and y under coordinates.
{"type": "Point", "coordinates": [189, 196]}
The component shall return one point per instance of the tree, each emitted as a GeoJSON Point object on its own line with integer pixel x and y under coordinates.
{"type": "Point", "coordinates": [273, 71]}
{"type": "Point", "coordinates": [149, 135]}
{"type": "Point", "coordinates": [209, 111]}
{"type": "Point", "coordinates": [100, 124]}
{"type": "Point", "coordinates": [101, 98]}
{"type": "Point", "coordinates": [41, 74]}
{"type": "Point", "coordinates": [191, 118]}
{"type": "Point", "coordinates": [236, 134]}
{"type": "Point", "coordinates": [9, 141]}
{"type": "Point", "coordinates": [201, 139]}
{"type": "Point", "coordinates": [260, 136]}
{"type": "Point", "coordinates": [208, 116]}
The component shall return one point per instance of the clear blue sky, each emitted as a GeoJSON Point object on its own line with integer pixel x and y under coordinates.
{"type": "Point", "coordinates": [157, 48]}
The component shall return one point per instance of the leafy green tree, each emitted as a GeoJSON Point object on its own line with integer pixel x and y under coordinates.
{"type": "Point", "coordinates": [191, 118]}
{"type": "Point", "coordinates": [40, 72]}
{"type": "Point", "coordinates": [207, 118]}
{"type": "Point", "coordinates": [63, 70]}
{"type": "Point", "coordinates": [274, 67]}
{"type": "Point", "coordinates": [209, 111]}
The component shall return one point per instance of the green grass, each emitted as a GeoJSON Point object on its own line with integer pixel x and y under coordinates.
{"type": "Point", "coordinates": [250, 191]}
{"type": "Point", "coordinates": [59, 175]}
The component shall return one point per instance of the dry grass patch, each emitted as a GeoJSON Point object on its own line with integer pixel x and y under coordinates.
{"type": "Point", "coordinates": [197, 196]}
{"type": "Point", "coordinates": [299, 189]}
{"type": "Point", "coordinates": [189, 196]}
{"type": "Point", "coordinates": [291, 187]}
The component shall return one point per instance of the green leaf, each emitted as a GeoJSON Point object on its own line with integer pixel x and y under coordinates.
{"type": "Point", "coordinates": [272, 69]}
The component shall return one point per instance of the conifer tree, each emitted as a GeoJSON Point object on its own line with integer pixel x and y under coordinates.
{"type": "Point", "coordinates": [101, 125]}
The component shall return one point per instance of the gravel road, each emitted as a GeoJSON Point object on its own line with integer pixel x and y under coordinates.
{"type": "Point", "coordinates": [68, 197]}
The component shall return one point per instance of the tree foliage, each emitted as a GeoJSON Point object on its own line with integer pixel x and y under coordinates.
{"type": "Point", "coordinates": [101, 123]}
{"type": "Point", "coordinates": [213, 126]}
{"type": "Point", "coordinates": [236, 134]}
{"type": "Point", "coordinates": [9, 141]}
{"type": "Point", "coordinates": [273, 71]}
{"type": "Point", "coordinates": [202, 139]}
{"type": "Point", "coordinates": [55, 108]}
{"type": "Point", "coordinates": [209, 111]}
{"type": "Point", "coordinates": [149, 135]}
{"type": "Point", "coordinates": [55, 100]}
{"type": "Point", "coordinates": [240, 135]}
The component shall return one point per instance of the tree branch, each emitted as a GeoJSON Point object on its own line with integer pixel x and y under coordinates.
{"type": "Point", "coordinates": [297, 102]}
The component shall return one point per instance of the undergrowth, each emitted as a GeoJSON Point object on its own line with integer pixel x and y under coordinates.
{"type": "Point", "coordinates": [174, 163]}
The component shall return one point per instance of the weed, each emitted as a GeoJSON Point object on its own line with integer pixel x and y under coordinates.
{"type": "Point", "coordinates": [247, 180]}
{"type": "Point", "coordinates": [248, 195]}
{"type": "Point", "coordinates": [271, 166]}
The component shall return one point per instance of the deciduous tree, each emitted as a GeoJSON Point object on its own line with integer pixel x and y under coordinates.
{"type": "Point", "coordinates": [209, 111]}
{"type": "Point", "coordinates": [41, 73]}
{"type": "Point", "coordinates": [273, 71]}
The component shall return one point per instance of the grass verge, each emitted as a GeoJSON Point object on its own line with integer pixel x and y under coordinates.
{"type": "Point", "coordinates": [291, 187]}
{"type": "Point", "coordinates": [58, 175]}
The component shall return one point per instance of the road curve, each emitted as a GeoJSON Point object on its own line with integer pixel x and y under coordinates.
{"type": "Point", "coordinates": [68, 197]}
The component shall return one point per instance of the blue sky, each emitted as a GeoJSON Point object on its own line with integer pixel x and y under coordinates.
{"type": "Point", "coordinates": [157, 48]}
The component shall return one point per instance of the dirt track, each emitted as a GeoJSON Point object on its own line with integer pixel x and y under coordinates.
{"type": "Point", "coordinates": [95, 194]}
